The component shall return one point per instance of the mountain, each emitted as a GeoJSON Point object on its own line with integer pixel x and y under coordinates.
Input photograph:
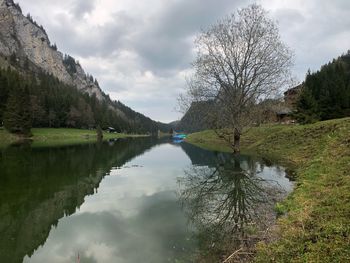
{"type": "Point", "coordinates": [21, 36]}
{"type": "Point", "coordinates": [195, 119]}
{"type": "Point", "coordinates": [26, 48]}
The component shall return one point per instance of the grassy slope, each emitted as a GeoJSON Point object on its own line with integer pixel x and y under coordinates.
{"type": "Point", "coordinates": [317, 225]}
{"type": "Point", "coordinates": [43, 137]}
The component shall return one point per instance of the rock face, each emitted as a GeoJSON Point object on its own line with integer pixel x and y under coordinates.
{"type": "Point", "coordinates": [21, 36]}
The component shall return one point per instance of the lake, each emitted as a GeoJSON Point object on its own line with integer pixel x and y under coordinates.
{"type": "Point", "coordinates": [132, 200]}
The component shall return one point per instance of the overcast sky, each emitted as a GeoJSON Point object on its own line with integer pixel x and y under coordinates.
{"type": "Point", "coordinates": [140, 51]}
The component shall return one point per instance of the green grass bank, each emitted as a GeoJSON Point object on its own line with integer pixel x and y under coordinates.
{"type": "Point", "coordinates": [51, 137]}
{"type": "Point", "coordinates": [315, 226]}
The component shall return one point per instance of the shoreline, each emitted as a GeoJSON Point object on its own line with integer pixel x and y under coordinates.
{"type": "Point", "coordinates": [314, 224]}
{"type": "Point", "coordinates": [54, 137]}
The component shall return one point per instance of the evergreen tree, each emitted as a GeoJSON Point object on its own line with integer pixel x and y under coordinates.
{"type": "Point", "coordinates": [3, 95]}
{"type": "Point", "coordinates": [17, 117]}
{"type": "Point", "coordinates": [307, 108]}
{"type": "Point", "coordinates": [326, 93]}
{"type": "Point", "coordinates": [52, 103]}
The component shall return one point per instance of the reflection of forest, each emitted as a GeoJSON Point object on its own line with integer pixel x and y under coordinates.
{"type": "Point", "coordinates": [226, 201]}
{"type": "Point", "coordinates": [40, 186]}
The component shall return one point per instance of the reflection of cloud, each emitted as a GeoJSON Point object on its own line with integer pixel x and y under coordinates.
{"type": "Point", "coordinates": [124, 189]}
{"type": "Point", "coordinates": [131, 218]}
{"type": "Point", "coordinates": [148, 236]}
{"type": "Point", "coordinates": [101, 252]}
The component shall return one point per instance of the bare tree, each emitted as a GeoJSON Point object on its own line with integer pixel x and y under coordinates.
{"type": "Point", "coordinates": [241, 60]}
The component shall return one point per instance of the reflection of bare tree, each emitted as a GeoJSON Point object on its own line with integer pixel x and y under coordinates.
{"type": "Point", "coordinates": [227, 204]}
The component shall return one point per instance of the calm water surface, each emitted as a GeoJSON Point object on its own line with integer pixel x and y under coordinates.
{"type": "Point", "coordinates": [139, 200]}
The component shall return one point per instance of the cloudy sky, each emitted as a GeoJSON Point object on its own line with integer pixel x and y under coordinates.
{"type": "Point", "coordinates": [140, 51]}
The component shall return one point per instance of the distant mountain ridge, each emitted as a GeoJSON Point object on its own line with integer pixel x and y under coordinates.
{"type": "Point", "coordinates": [195, 119]}
{"type": "Point", "coordinates": [26, 47]}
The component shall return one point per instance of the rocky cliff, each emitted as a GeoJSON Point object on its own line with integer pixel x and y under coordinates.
{"type": "Point", "coordinates": [26, 48]}
{"type": "Point", "coordinates": [21, 37]}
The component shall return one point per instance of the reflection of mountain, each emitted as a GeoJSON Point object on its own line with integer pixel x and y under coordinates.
{"type": "Point", "coordinates": [199, 156]}
{"type": "Point", "coordinates": [40, 186]}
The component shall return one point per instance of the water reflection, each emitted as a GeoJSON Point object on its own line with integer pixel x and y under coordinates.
{"type": "Point", "coordinates": [118, 202]}
{"type": "Point", "coordinates": [230, 200]}
{"type": "Point", "coordinates": [40, 186]}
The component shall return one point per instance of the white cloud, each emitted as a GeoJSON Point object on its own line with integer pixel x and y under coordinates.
{"type": "Point", "coordinates": [140, 50]}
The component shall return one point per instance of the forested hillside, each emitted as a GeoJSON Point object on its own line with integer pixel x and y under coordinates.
{"type": "Point", "coordinates": [195, 119]}
{"type": "Point", "coordinates": [41, 100]}
{"type": "Point", "coordinates": [41, 87]}
{"type": "Point", "coordinates": [326, 93]}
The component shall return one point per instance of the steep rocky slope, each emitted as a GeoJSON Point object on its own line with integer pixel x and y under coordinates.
{"type": "Point", "coordinates": [26, 47]}
{"type": "Point", "coordinates": [22, 37]}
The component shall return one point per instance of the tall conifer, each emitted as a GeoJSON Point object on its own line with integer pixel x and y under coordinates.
{"type": "Point", "coordinates": [17, 117]}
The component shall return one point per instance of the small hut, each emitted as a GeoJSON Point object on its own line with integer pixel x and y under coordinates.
{"type": "Point", "coordinates": [111, 130]}
{"type": "Point", "coordinates": [291, 96]}
{"type": "Point", "coordinates": [284, 115]}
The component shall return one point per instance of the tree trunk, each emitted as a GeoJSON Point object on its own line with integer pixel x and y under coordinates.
{"type": "Point", "coordinates": [99, 133]}
{"type": "Point", "coordinates": [236, 141]}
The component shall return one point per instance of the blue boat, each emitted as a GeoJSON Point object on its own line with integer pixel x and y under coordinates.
{"type": "Point", "coordinates": [179, 136]}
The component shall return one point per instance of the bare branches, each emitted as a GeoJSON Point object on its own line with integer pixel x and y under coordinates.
{"type": "Point", "coordinates": [228, 200]}
{"type": "Point", "coordinates": [241, 60]}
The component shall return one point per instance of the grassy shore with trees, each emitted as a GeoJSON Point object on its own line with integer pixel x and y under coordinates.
{"type": "Point", "coordinates": [313, 225]}
{"type": "Point", "coordinates": [51, 137]}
